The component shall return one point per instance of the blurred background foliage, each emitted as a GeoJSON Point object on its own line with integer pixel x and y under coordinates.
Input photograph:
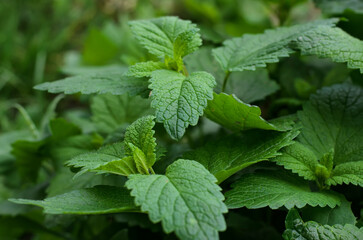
{"type": "Point", "coordinates": [42, 40]}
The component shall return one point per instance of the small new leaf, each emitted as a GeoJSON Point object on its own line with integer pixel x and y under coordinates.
{"type": "Point", "coordinates": [140, 135]}
{"type": "Point", "coordinates": [135, 155]}
{"type": "Point", "coordinates": [167, 36]}
{"type": "Point", "coordinates": [179, 100]}
{"type": "Point", "coordinates": [111, 158]}
{"type": "Point", "coordinates": [186, 200]}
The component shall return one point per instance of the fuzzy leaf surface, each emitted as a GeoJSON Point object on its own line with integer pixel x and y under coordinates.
{"type": "Point", "coordinates": [251, 51]}
{"type": "Point", "coordinates": [186, 200]}
{"type": "Point", "coordinates": [332, 120]}
{"type": "Point", "coordinates": [163, 36]}
{"type": "Point", "coordinates": [332, 43]}
{"type": "Point", "coordinates": [96, 200]}
{"type": "Point", "coordinates": [226, 156]}
{"type": "Point", "coordinates": [141, 135]}
{"type": "Point", "coordinates": [179, 100]}
{"type": "Point", "coordinates": [297, 229]}
{"type": "Point", "coordinates": [144, 69]}
{"type": "Point", "coordinates": [113, 83]}
{"type": "Point", "coordinates": [111, 158]}
{"type": "Point", "coordinates": [276, 189]}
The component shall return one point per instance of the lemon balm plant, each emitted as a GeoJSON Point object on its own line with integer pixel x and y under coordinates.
{"type": "Point", "coordinates": [306, 154]}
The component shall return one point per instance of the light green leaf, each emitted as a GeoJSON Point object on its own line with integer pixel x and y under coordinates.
{"type": "Point", "coordinates": [111, 158]}
{"type": "Point", "coordinates": [140, 135]}
{"type": "Point", "coordinates": [179, 100]}
{"type": "Point", "coordinates": [232, 113]}
{"type": "Point", "coordinates": [186, 200]}
{"type": "Point", "coordinates": [135, 155]}
{"type": "Point", "coordinates": [113, 83]}
{"type": "Point", "coordinates": [186, 43]}
{"type": "Point", "coordinates": [110, 112]}
{"type": "Point", "coordinates": [96, 200]}
{"type": "Point", "coordinates": [228, 155]}
{"type": "Point", "coordinates": [144, 69]}
{"type": "Point", "coordinates": [165, 35]}
{"type": "Point", "coordinates": [297, 229]}
{"type": "Point", "coordinates": [251, 51]}
{"type": "Point", "coordinates": [276, 189]}
{"type": "Point", "coordinates": [332, 43]}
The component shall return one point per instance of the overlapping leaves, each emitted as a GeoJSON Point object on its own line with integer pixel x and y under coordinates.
{"type": "Point", "coordinates": [135, 155]}
{"type": "Point", "coordinates": [330, 149]}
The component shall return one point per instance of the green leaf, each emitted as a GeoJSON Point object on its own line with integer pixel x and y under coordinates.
{"type": "Point", "coordinates": [228, 155]}
{"type": "Point", "coordinates": [165, 36]}
{"type": "Point", "coordinates": [276, 189]}
{"type": "Point", "coordinates": [332, 43]}
{"type": "Point", "coordinates": [98, 48]}
{"type": "Point", "coordinates": [96, 200]}
{"type": "Point", "coordinates": [113, 83]}
{"type": "Point", "coordinates": [111, 158]}
{"type": "Point", "coordinates": [340, 6]}
{"type": "Point", "coordinates": [297, 229]}
{"type": "Point", "coordinates": [249, 86]}
{"type": "Point", "coordinates": [186, 200]}
{"type": "Point", "coordinates": [110, 112]}
{"type": "Point", "coordinates": [330, 216]}
{"type": "Point", "coordinates": [144, 69]}
{"type": "Point", "coordinates": [332, 120]}
{"type": "Point", "coordinates": [251, 51]}
{"type": "Point", "coordinates": [299, 159]}
{"type": "Point", "coordinates": [140, 135]}
{"type": "Point", "coordinates": [135, 155]}
{"type": "Point", "coordinates": [179, 100]}
{"type": "Point", "coordinates": [232, 113]}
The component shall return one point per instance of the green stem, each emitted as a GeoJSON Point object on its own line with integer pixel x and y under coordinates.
{"type": "Point", "coordinates": [152, 170]}
{"type": "Point", "coordinates": [225, 80]}
{"type": "Point", "coordinates": [185, 71]}
{"type": "Point", "coordinates": [28, 120]}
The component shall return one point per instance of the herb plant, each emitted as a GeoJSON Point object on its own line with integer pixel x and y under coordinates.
{"type": "Point", "coordinates": [177, 99]}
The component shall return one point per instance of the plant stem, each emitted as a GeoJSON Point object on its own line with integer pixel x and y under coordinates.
{"type": "Point", "coordinates": [225, 80]}
{"type": "Point", "coordinates": [185, 71]}
{"type": "Point", "coordinates": [28, 120]}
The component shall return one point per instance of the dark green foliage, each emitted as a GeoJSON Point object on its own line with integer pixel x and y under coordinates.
{"type": "Point", "coordinates": [154, 135]}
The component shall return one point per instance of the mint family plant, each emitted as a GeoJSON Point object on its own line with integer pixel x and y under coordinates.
{"type": "Point", "coordinates": [320, 147]}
